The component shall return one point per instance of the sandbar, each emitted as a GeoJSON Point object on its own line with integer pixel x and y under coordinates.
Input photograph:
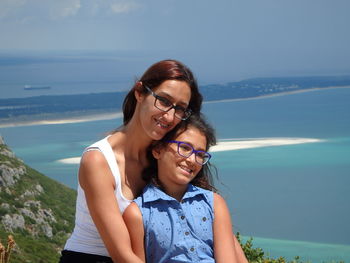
{"type": "Point", "coordinates": [236, 144]}
{"type": "Point", "coordinates": [75, 119]}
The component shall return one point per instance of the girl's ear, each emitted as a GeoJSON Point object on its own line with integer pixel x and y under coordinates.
{"type": "Point", "coordinates": [156, 152]}
{"type": "Point", "coordinates": [138, 91]}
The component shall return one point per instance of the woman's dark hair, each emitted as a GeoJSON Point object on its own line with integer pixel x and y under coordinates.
{"type": "Point", "coordinates": [155, 76]}
{"type": "Point", "coordinates": [204, 178]}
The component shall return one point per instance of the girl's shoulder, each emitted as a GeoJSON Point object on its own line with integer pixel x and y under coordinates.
{"type": "Point", "coordinates": [199, 190]}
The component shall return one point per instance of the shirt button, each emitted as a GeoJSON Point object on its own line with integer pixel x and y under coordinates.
{"type": "Point", "coordinates": [204, 219]}
{"type": "Point", "coordinates": [192, 249]}
{"type": "Point", "coordinates": [182, 217]}
{"type": "Point", "coordinates": [187, 233]}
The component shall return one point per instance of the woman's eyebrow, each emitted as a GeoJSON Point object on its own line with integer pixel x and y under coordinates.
{"type": "Point", "coordinates": [171, 98]}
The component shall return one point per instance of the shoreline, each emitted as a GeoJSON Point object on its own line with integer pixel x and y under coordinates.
{"type": "Point", "coordinates": [86, 116]}
{"type": "Point", "coordinates": [236, 144]}
{"type": "Point", "coordinates": [277, 94]}
{"type": "Point", "coordinates": [249, 143]}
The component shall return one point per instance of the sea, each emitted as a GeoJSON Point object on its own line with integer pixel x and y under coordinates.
{"type": "Point", "coordinates": [293, 200]}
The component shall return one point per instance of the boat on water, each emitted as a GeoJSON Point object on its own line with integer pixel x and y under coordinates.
{"type": "Point", "coordinates": [30, 87]}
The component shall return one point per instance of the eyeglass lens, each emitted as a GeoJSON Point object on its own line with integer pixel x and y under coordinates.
{"type": "Point", "coordinates": [186, 150]}
{"type": "Point", "coordinates": [165, 105]}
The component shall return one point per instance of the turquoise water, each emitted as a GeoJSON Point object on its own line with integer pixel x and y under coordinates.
{"type": "Point", "coordinates": [288, 195]}
{"type": "Point", "coordinates": [307, 251]}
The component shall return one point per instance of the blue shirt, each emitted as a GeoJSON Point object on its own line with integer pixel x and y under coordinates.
{"type": "Point", "coordinates": [177, 231]}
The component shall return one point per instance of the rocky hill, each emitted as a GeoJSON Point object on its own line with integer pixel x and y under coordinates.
{"type": "Point", "coordinates": [36, 210]}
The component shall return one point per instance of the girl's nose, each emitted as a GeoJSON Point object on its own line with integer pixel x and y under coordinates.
{"type": "Point", "coordinates": [192, 159]}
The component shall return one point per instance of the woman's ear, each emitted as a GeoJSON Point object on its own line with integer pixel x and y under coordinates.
{"type": "Point", "coordinates": [156, 152]}
{"type": "Point", "coordinates": [138, 91]}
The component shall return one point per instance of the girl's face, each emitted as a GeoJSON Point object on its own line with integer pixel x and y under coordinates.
{"type": "Point", "coordinates": [174, 169]}
{"type": "Point", "coordinates": [155, 122]}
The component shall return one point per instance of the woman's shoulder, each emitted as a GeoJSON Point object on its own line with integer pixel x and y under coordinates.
{"type": "Point", "coordinates": [92, 157]}
{"type": "Point", "coordinates": [96, 153]}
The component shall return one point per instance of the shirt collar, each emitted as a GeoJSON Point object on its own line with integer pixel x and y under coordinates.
{"type": "Point", "coordinates": [152, 193]}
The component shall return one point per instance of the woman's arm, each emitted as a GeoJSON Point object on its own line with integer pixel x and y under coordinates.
{"type": "Point", "coordinates": [226, 246]}
{"type": "Point", "coordinates": [133, 220]}
{"type": "Point", "coordinates": [98, 184]}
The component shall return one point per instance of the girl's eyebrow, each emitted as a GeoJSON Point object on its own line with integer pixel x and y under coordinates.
{"type": "Point", "coordinates": [200, 149]}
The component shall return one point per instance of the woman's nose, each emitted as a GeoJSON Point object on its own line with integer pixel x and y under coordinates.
{"type": "Point", "coordinates": [169, 115]}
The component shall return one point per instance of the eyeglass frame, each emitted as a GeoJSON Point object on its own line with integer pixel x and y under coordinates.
{"type": "Point", "coordinates": [175, 107]}
{"type": "Point", "coordinates": [193, 151]}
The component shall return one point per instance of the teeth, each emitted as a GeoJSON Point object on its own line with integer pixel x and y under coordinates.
{"type": "Point", "coordinates": [162, 124]}
{"type": "Point", "coordinates": [186, 169]}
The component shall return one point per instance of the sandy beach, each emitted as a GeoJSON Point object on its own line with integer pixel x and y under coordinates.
{"type": "Point", "coordinates": [235, 144]}
{"type": "Point", "coordinates": [75, 119]}
{"type": "Point", "coordinates": [239, 144]}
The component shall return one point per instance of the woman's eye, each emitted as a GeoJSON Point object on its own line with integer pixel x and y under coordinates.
{"type": "Point", "coordinates": [164, 101]}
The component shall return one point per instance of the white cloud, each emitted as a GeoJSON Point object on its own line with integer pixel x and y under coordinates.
{"type": "Point", "coordinates": [9, 7]}
{"type": "Point", "coordinates": [29, 10]}
{"type": "Point", "coordinates": [118, 7]}
{"type": "Point", "coordinates": [35, 10]}
{"type": "Point", "coordinates": [63, 8]}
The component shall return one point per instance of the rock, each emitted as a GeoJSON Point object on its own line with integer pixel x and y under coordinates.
{"type": "Point", "coordinates": [27, 212]}
{"type": "Point", "coordinates": [10, 175]}
{"type": "Point", "coordinates": [47, 229]}
{"type": "Point", "coordinates": [13, 222]}
{"type": "Point", "coordinates": [5, 206]}
{"type": "Point", "coordinates": [39, 188]}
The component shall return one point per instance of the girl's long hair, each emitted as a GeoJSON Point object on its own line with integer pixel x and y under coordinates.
{"type": "Point", "coordinates": [204, 178]}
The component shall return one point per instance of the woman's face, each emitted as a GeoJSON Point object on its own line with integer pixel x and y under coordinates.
{"type": "Point", "coordinates": [157, 123]}
{"type": "Point", "coordinates": [174, 169]}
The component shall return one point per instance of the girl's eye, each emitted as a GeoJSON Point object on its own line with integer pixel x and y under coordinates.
{"type": "Point", "coordinates": [201, 155]}
{"type": "Point", "coordinates": [185, 147]}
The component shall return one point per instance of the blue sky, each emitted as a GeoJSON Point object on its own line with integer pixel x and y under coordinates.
{"type": "Point", "coordinates": [228, 39]}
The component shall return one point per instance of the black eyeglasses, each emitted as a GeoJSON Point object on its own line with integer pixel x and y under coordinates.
{"type": "Point", "coordinates": [186, 150]}
{"type": "Point", "coordinates": [165, 105]}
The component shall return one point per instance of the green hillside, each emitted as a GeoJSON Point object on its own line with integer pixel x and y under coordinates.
{"type": "Point", "coordinates": [36, 210]}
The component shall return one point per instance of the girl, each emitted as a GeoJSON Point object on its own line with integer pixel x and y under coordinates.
{"type": "Point", "coordinates": [178, 217]}
{"type": "Point", "coordinates": [110, 170]}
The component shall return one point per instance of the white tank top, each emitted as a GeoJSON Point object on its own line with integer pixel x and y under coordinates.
{"type": "Point", "coordinates": [85, 237]}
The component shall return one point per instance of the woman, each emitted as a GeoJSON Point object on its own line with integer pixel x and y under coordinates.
{"type": "Point", "coordinates": [178, 217]}
{"type": "Point", "coordinates": [110, 170]}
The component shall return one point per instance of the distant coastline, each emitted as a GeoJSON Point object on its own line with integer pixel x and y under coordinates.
{"type": "Point", "coordinates": [31, 87]}
{"type": "Point", "coordinates": [277, 94]}
{"type": "Point", "coordinates": [74, 117]}
{"type": "Point", "coordinates": [95, 115]}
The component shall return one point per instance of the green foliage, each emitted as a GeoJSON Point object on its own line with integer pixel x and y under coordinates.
{"type": "Point", "coordinates": [257, 255]}
{"type": "Point", "coordinates": [34, 191]}
{"type": "Point", "coordinates": [30, 249]}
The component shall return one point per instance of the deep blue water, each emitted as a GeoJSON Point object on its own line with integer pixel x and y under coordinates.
{"type": "Point", "coordinates": [296, 192]}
